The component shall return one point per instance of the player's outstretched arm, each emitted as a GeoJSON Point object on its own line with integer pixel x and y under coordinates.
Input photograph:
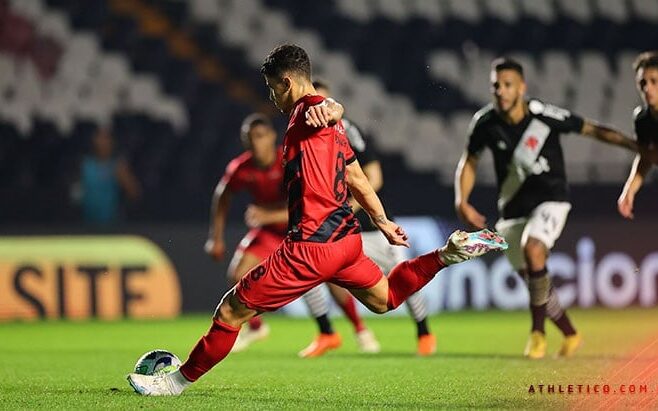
{"type": "Point", "coordinates": [464, 181]}
{"type": "Point", "coordinates": [364, 194]}
{"type": "Point", "coordinates": [608, 135]}
{"type": "Point", "coordinates": [324, 114]}
{"type": "Point", "coordinates": [641, 166]}
{"type": "Point", "coordinates": [220, 203]}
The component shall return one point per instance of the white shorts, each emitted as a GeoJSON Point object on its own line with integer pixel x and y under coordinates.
{"type": "Point", "coordinates": [545, 224]}
{"type": "Point", "coordinates": [376, 247]}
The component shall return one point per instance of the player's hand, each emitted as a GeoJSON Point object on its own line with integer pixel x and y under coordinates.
{"type": "Point", "coordinates": [324, 114]}
{"type": "Point", "coordinates": [318, 115]}
{"type": "Point", "coordinates": [256, 216]}
{"type": "Point", "coordinates": [393, 233]}
{"type": "Point", "coordinates": [625, 205]}
{"type": "Point", "coordinates": [215, 248]}
{"type": "Point", "coordinates": [469, 215]}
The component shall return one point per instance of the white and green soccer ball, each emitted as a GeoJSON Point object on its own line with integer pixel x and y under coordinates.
{"type": "Point", "coordinates": [157, 362]}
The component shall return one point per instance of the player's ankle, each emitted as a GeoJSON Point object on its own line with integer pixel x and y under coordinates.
{"type": "Point", "coordinates": [179, 381]}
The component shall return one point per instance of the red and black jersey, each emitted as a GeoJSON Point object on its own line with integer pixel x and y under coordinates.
{"type": "Point", "coordinates": [265, 185]}
{"type": "Point", "coordinates": [315, 168]}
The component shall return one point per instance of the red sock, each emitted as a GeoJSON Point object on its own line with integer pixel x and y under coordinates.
{"type": "Point", "coordinates": [410, 276]}
{"type": "Point", "coordinates": [349, 308]}
{"type": "Point", "coordinates": [211, 349]}
{"type": "Point", "coordinates": [255, 323]}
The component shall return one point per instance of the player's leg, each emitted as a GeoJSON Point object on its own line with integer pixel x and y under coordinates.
{"type": "Point", "coordinates": [327, 339]}
{"type": "Point", "coordinates": [253, 249]}
{"type": "Point", "coordinates": [282, 278]}
{"type": "Point", "coordinates": [387, 257]}
{"type": "Point", "coordinates": [411, 275]}
{"type": "Point", "coordinates": [213, 347]}
{"type": "Point", "coordinates": [539, 235]}
{"type": "Point", "coordinates": [365, 338]}
{"type": "Point", "coordinates": [512, 230]}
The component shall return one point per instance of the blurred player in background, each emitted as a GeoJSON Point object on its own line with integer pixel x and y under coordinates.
{"type": "Point", "coordinates": [323, 243]}
{"type": "Point", "coordinates": [533, 203]}
{"type": "Point", "coordinates": [646, 129]}
{"type": "Point", "coordinates": [258, 171]}
{"type": "Point", "coordinates": [376, 247]}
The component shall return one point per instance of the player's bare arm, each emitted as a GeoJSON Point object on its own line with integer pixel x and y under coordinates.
{"type": "Point", "coordinates": [257, 216]}
{"type": "Point", "coordinates": [324, 114]}
{"type": "Point", "coordinates": [373, 171]}
{"type": "Point", "coordinates": [464, 181]}
{"type": "Point", "coordinates": [608, 135]}
{"type": "Point", "coordinates": [641, 167]}
{"type": "Point", "coordinates": [221, 201]}
{"type": "Point", "coordinates": [366, 196]}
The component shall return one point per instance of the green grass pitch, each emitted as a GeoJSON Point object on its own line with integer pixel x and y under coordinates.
{"type": "Point", "coordinates": [82, 365]}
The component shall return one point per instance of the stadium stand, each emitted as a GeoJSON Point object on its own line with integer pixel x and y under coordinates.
{"type": "Point", "coordinates": [176, 77]}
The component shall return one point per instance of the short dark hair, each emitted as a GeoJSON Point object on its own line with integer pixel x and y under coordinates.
{"type": "Point", "coordinates": [648, 59]}
{"type": "Point", "coordinates": [287, 58]}
{"type": "Point", "coordinates": [251, 121]}
{"type": "Point", "coordinates": [507, 63]}
{"type": "Point", "coordinates": [319, 83]}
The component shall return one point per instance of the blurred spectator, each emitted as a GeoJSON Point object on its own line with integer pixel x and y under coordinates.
{"type": "Point", "coordinates": [103, 176]}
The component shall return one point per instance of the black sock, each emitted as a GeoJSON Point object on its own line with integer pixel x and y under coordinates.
{"type": "Point", "coordinates": [422, 327]}
{"type": "Point", "coordinates": [324, 324]}
{"type": "Point", "coordinates": [538, 313]}
{"type": "Point", "coordinates": [564, 324]}
{"type": "Point", "coordinates": [536, 285]}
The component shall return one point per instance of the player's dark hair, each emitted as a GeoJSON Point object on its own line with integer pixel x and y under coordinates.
{"type": "Point", "coordinates": [251, 121]}
{"type": "Point", "coordinates": [287, 58]}
{"type": "Point", "coordinates": [506, 63]}
{"type": "Point", "coordinates": [648, 59]}
{"type": "Point", "coordinates": [319, 83]}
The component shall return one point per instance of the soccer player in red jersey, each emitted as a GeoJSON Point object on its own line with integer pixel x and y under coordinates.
{"type": "Point", "coordinates": [323, 242]}
{"type": "Point", "coordinates": [258, 171]}
{"type": "Point", "coordinates": [376, 247]}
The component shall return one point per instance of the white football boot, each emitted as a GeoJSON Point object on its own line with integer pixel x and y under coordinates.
{"type": "Point", "coordinates": [462, 246]}
{"type": "Point", "coordinates": [155, 385]}
{"type": "Point", "coordinates": [367, 342]}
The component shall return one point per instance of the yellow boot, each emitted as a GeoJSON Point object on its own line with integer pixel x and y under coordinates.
{"type": "Point", "coordinates": [570, 345]}
{"type": "Point", "coordinates": [536, 346]}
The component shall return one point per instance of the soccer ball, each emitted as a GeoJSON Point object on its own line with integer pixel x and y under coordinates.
{"type": "Point", "coordinates": [157, 362]}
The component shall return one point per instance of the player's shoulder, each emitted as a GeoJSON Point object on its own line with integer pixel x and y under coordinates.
{"type": "Point", "coordinates": [539, 108]}
{"type": "Point", "coordinates": [239, 162]}
{"type": "Point", "coordinates": [303, 103]}
{"type": "Point", "coordinates": [482, 117]}
{"type": "Point", "coordinates": [640, 114]}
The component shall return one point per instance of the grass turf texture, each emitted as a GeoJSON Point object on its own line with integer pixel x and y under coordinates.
{"type": "Point", "coordinates": [82, 365]}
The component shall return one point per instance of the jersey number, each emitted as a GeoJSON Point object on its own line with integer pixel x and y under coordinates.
{"type": "Point", "coordinates": [340, 188]}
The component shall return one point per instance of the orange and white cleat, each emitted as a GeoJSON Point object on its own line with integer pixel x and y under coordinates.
{"type": "Point", "coordinates": [426, 345]}
{"type": "Point", "coordinates": [321, 344]}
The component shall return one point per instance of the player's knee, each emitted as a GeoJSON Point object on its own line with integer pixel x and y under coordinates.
{"type": "Point", "coordinates": [378, 307]}
{"type": "Point", "coordinates": [226, 312]}
{"type": "Point", "coordinates": [535, 251]}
